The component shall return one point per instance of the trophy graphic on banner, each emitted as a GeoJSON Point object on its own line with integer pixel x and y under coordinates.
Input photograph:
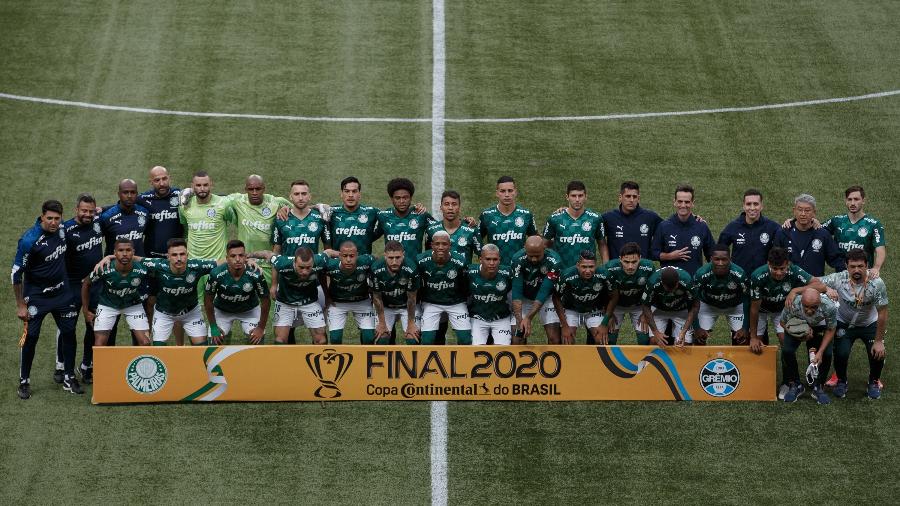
{"type": "Point", "coordinates": [329, 366]}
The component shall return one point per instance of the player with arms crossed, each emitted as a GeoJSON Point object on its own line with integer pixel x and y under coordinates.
{"type": "Point", "coordinates": [581, 293]}
{"type": "Point", "coordinates": [669, 298]}
{"type": "Point", "coordinates": [348, 292]}
{"type": "Point", "coordinates": [862, 314]}
{"type": "Point", "coordinates": [535, 270]}
{"type": "Point", "coordinates": [628, 276]}
{"type": "Point", "coordinates": [236, 293]}
{"type": "Point", "coordinates": [119, 295]}
{"type": "Point", "coordinates": [394, 283]}
{"type": "Point", "coordinates": [443, 290]}
{"type": "Point", "coordinates": [40, 285]}
{"type": "Point", "coordinates": [722, 289]}
{"type": "Point", "coordinates": [489, 287]}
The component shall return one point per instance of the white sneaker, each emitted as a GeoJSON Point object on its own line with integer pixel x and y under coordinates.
{"type": "Point", "coordinates": [781, 391]}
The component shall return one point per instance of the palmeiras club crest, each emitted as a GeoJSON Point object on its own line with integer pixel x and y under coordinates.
{"type": "Point", "coordinates": [329, 366]}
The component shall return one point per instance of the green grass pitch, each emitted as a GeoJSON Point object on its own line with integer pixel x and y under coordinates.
{"type": "Point", "coordinates": [504, 59]}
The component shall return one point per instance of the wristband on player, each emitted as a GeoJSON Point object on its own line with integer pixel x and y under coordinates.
{"type": "Point", "coordinates": [214, 330]}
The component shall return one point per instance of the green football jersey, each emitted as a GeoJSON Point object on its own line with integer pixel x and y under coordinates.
{"type": "Point", "coordinates": [255, 222]}
{"type": "Point", "coordinates": [294, 233]}
{"type": "Point", "coordinates": [177, 292]}
{"type": "Point", "coordinates": [463, 240]}
{"type": "Point", "coordinates": [488, 299]}
{"type": "Point", "coordinates": [571, 236]}
{"type": "Point", "coordinates": [442, 284]}
{"type": "Point", "coordinates": [408, 230]}
{"type": "Point", "coordinates": [858, 305]}
{"type": "Point", "coordinates": [583, 295]}
{"type": "Point", "coordinates": [359, 226]}
{"type": "Point", "coordinates": [826, 315]}
{"type": "Point", "coordinates": [773, 292]}
{"type": "Point", "coordinates": [236, 295]}
{"type": "Point", "coordinates": [721, 292]}
{"type": "Point", "coordinates": [528, 277]}
{"type": "Point", "coordinates": [680, 299]}
{"type": "Point", "coordinates": [631, 288]}
{"type": "Point", "coordinates": [508, 232]}
{"type": "Point", "coordinates": [867, 234]}
{"type": "Point", "coordinates": [120, 290]}
{"type": "Point", "coordinates": [349, 286]}
{"type": "Point", "coordinates": [206, 226]}
{"type": "Point", "coordinates": [291, 288]}
{"type": "Point", "coordinates": [394, 287]}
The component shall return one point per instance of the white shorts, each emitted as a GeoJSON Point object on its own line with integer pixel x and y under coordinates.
{"type": "Point", "coordinates": [249, 320]}
{"type": "Point", "coordinates": [501, 330]}
{"type": "Point", "coordinates": [709, 314]}
{"type": "Point", "coordinates": [105, 317]}
{"type": "Point", "coordinates": [761, 325]}
{"type": "Point", "coordinates": [457, 315]}
{"type": "Point", "coordinates": [296, 315]}
{"type": "Point", "coordinates": [634, 312]}
{"type": "Point", "coordinates": [662, 318]}
{"type": "Point", "coordinates": [362, 311]}
{"type": "Point", "coordinates": [391, 315]}
{"type": "Point", "coordinates": [192, 321]}
{"type": "Point", "coordinates": [547, 313]}
{"type": "Point", "coordinates": [590, 320]}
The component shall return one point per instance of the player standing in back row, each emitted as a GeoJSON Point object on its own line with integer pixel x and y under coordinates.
{"type": "Point", "coordinates": [575, 228]}
{"type": "Point", "coordinates": [506, 224]}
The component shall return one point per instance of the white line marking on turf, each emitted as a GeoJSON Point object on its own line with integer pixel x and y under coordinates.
{"type": "Point", "coordinates": [438, 68]}
{"type": "Point", "coordinates": [328, 119]}
{"type": "Point", "coordinates": [439, 452]}
{"type": "Point", "coordinates": [749, 108]}
{"type": "Point", "coordinates": [168, 112]}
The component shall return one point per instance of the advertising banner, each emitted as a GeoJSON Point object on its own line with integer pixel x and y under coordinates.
{"type": "Point", "coordinates": [127, 374]}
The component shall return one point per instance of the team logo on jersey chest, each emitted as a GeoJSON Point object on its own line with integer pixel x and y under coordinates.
{"type": "Point", "coordinates": [816, 244]}
{"type": "Point", "coordinates": [695, 241]}
{"type": "Point", "coordinates": [451, 274]}
{"type": "Point", "coordinates": [62, 233]}
{"type": "Point", "coordinates": [32, 310]}
{"type": "Point", "coordinates": [190, 277]}
{"type": "Point", "coordinates": [247, 287]}
{"type": "Point", "coordinates": [266, 212]}
{"type": "Point", "coordinates": [586, 226]}
{"type": "Point", "coordinates": [97, 228]}
{"type": "Point", "coordinates": [146, 374]}
{"type": "Point", "coordinates": [136, 282]}
{"type": "Point", "coordinates": [142, 221]}
{"type": "Point", "coordinates": [644, 228]}
{"type": "Point", "coordinates": [786, 286]}
{"type": "Point", "coordinates": [363, 218]}
{"type": "Point", "coordinates": [598, 286]}
{"type": "Point", "coordinates": [862, 232]}
{"type": "Point", "coordinates": [211, 213]}
{"type": "Point", "coordinates": [543, 269]}
{"type": "Point", "coordinates": [313, 227]}
{"type": "Point", "coordinates": [361, 276]}
{"type": "Point", "coordinates": [173, 201]}
{"type": "Point", "coordinates": [764, 238]}
{"type": "Point", "coordinates": [642, 281]}
{"type": "Point", "coordinates": [519, 221]}
{"type": "Point", "coordinates": [462, 241]}
{"type": "Point", "coordinates": [732, 285]}
{"type": "Point", "coordinates": [501, 285]}
{"type": "Point", "coordinates": [413, 223]}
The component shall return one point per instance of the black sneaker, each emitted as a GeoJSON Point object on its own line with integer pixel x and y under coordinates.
{"type": "Point", "coordinates": [70, 384]}
{"type": "Point", "coordinates": [24, 390]}
{"type": "Point", "coordinates": [58, 376]}
{"type": "Point", "coordinates": [87, 375]}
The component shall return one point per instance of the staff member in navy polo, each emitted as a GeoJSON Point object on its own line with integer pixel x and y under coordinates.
{"type": "Point", "coordinates": [682, 240]}
{"type": "Point", "coordinates": [41, 287]}
{"type": "Point", "coordinates": [750, 235]}
{"type": "Point", "coordinates": [630, 222]}
{"type": "Point", "coordinates": [810, 248]}
{"type": "Point", "coordinates": [162, 203]}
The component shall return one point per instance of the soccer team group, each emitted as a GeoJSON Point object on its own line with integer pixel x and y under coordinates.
{"type": "Point", "coordinates": [163, 260]}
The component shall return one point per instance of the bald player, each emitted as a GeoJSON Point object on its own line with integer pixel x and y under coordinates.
{"type": "Point", "coordinates": [820, 315]}
{"type": "Point", "coordinates": [255, 212]}
{"type": "Point", "coordinates": [535, 269]}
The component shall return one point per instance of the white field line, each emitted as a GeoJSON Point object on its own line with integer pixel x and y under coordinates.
{"type": "Point", "coordinates": [438, 68]}
{"type": "Point", "coordinates": [531, 119]}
